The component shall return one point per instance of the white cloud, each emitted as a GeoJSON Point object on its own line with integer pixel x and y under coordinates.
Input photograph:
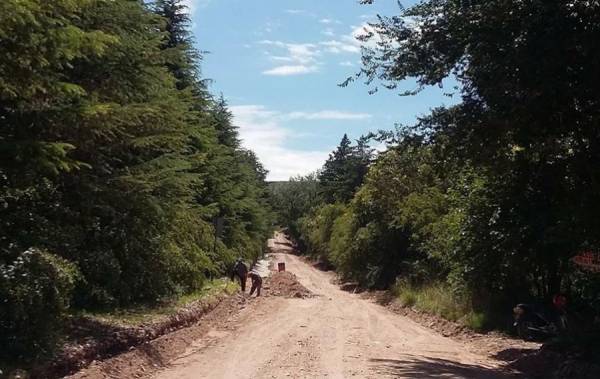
{"type": "Point", "coordinates": [278, 58]}
{"type": "Point", "coordinates": [300, 12]}
{"type": "Point", "coordinates": [261, 131]}
{"type": "Point", "coordinates": [328, 32]}
{"type": "Point", "coordinates": [347, 64]}
{"type": "Point", "coordinates": [328, 115]}
{"type": "Point", "coordinates": [290, 70]}
{"type": "Point", "coordinates": [306, 58]}
{"type": "Point", "coordinates": [338, 47]}
{"type": "Point", "coordinates": [302, 53]}
{"type": "Point", "coordinates": [329, 21]}
{"type": "Point", "coordinates": [194, 5]}
{"type": "Point", "coordinates": [301, 58]}
{"type": "Point", "coordinates": [257, 124]}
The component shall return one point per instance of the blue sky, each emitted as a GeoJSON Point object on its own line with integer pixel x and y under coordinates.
{"type": "Point", "coordinates": [279, 63]}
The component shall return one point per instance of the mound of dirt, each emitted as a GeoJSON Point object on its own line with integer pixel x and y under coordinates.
{"type": "Point", "coordinates": [285, 284]}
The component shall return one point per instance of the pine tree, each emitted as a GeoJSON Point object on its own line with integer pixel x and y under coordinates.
{"type": "Point", "coordinates": [222, 118]}
{"type": "Point", "coordinates": [344, 170]}
{"type": "Point", "coordinates": [179, 44]}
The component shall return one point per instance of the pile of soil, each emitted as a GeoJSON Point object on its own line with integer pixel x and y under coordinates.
{"type": "Point", "coordinates": [285, 284]}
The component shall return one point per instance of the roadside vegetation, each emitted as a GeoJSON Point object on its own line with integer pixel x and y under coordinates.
{"type": "Point", "coordinates": [482, 205]}
{"type": "Point", "coordinates": [123, 183]}
{"type": "Point", "coordinates": [141, 314]}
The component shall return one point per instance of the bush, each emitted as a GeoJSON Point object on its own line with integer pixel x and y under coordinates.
{"type": "Point", "coordinates": [317, 228]}
{"type": "Point", "coordinates": [440, 300]}
{"type": "Point", "coordinates": [408, 298]}
{"type": "Point", "coordinates": [35, 290]}
{"type": "Point", "coordinates": [476, 320]}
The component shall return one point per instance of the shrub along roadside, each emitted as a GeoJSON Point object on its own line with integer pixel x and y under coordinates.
{"type": "Point", "coordinates": [35, 290]}
{"type": "Point", "coordinates": [148, 314]}
{"type": "Point", "coordinates": [438, 299]}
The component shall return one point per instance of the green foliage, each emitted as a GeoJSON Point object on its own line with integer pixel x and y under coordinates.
{"type": "Point", "coordinates": [344, 170]}
{"type": "Point", "coordinates": [141, 314]}
{"type": "Point", "coordinates": [527, 124]}
{"type": "Point", "coordinates": [439, 299]}
{"type": "Point", "coordinates": [480, 205]}
{"type": "Point", "coordinates": [317, 227]}
{"type": "Point", "coordinates": [293, 200]}
{"type": "Point", "coordinates": [178, 46]}
{"type": "Point", "coordinates": [35, 290]}
{"type": "Point", "coordinates": [115, 157]}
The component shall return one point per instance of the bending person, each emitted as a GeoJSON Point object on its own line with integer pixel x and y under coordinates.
{"type": "Point", "coordinates": [256, 283]}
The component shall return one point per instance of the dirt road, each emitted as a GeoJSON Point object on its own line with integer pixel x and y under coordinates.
{"type": "Point", "coordinates": [332, 335]}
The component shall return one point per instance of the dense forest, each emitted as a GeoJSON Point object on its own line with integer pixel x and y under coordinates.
{"type": "Point", "coordinates": [122, 179]}
{"type": "Point", "coordinates": [481, 205]}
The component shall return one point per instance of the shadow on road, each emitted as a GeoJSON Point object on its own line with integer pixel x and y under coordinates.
{"type": "Point", "coordinates": [322, 266]}
{"type": "Point", "coordinates": [512, 354]}
{"type": "Point", "coordinates": [420, 367]}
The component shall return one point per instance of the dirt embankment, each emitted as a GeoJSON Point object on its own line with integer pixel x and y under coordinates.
{"type": "Point", "coordinates": [144, 359]}
{"type": "Point", "coordinates": [93, 340]}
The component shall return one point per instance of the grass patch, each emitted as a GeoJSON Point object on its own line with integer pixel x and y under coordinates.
{"type": "Point", "coordinates": [476, 320]}
{"type": "Point", "coordinates": [439, 300]}
{"type": "Point", "coordinates": [145, 314]}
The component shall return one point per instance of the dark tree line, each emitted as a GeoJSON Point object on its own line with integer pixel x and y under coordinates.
{"type": "Point", "coordinates": [116, 165]}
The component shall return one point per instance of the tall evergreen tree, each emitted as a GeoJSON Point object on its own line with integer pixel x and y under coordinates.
{"type": "Point", "coordinates": [344, 170]}
{"type": "Point", "coordinates": [222, 118]}
{"type": "Point", "coordinates": [179, 43]}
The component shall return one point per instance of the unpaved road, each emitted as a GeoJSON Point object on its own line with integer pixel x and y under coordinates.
{"type": "Point", "coordinates": [333, 335]}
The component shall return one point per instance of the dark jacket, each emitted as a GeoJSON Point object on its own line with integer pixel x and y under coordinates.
{"type": "Point", "coordinates": [240, 269]}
